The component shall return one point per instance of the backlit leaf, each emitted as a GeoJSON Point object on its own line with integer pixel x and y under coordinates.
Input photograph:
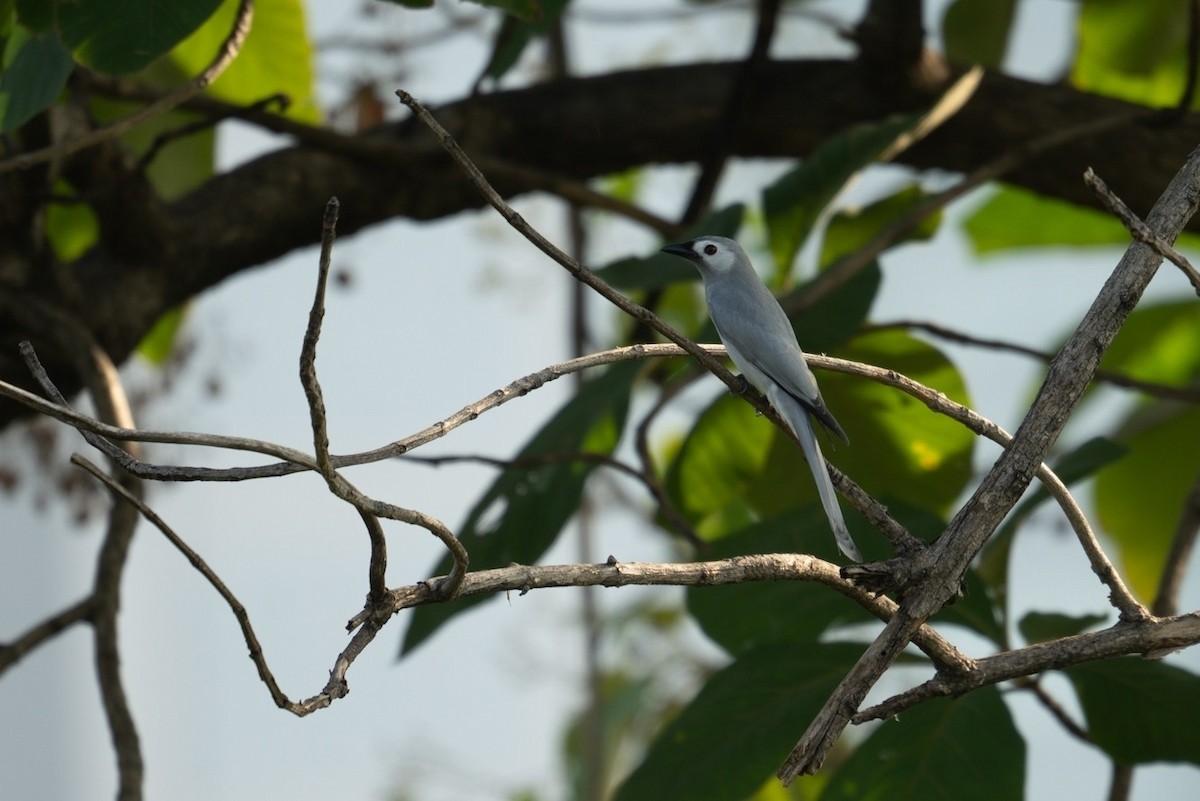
{"type": "Point", "coordinates": [524, 510]}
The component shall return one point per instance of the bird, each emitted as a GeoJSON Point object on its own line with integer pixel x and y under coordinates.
{"type": "Point", "coordinates": [759, 339]}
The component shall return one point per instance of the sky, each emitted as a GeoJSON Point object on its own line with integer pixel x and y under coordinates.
{"type": "Point", "coordinates": [478, 711]}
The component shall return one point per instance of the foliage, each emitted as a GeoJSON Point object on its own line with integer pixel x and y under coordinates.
{"type": "Point", "coordinates": [731, 475]}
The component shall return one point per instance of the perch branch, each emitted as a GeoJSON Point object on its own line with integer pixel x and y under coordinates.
{"type": "Point", "coordinates": [1149, 636]}
{"type": "Point", "coordinates": [940, 568]}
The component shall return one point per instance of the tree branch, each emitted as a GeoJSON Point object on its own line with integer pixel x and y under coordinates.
{"type": "Point", "coordinates": [1149, 636]}
{"type": "Point", "coordinates": [941, 567]}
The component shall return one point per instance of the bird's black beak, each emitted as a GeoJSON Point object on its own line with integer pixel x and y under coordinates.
{"type": "Point", "coordinates": [683, 250]}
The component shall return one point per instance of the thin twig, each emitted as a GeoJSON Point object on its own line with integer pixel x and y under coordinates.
{"type": "Point", "coordinates": [581, 273]}
{"type": "Point", "coordinates": [367, 507]}
{"type": "Point", "coordinates": [1149, 636]}
{"type": "Point", "coordinates": [46, 630]}
{"type": "Point", "coordinates": [1140, 231]}
{"type": "Point", "coordinates": [850, 265]}
{"type": "Point", "coordinates": [1150, 388]}
{"type": "Point", "coordinates": [652, 485]}
{"type": "Point", "coordinates": [201, 566]}
{"type": "Point", "coordinates": [225, 55]}
{"type": "Point", "coordinates": [1034, 685]}
{"type": "Point", "coordinates": [377, 569]}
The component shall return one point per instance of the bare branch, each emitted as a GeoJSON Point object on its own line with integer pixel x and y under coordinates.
{"type": "Point", "coordinates": [43, 632]}
{"type": "Point", "coordinates": [368, 508]}
{"type": "Point", "coordinates": [1140, 231]}
{"type": "Point", "coordinates": [1149, 636]}
{"type": "Point", "coordinates": [124, 496]}
{"type": "Point", "coordinates": [737, 570]}
{"type": "Point", "coordinates": [1150, 388]}
{"type": "Point", "coordinates": [941, 567]}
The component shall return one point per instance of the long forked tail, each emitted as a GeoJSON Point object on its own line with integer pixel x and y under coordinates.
{"type": "Point", "coordinates": [797, 418]}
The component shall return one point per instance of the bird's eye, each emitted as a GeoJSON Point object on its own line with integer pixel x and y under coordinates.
{"type": "Point", "coordinates": [710, 250]}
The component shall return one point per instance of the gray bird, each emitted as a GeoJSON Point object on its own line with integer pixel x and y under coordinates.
{"type": "Point", "coordinates": [761, 342]}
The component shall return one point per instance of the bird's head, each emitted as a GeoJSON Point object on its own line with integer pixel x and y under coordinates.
{"type": "Point", "coordinates": [712, 255]}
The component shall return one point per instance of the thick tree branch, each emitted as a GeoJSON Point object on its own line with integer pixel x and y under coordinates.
{"type": "Point", "coordinates": [577, 129]}
{"type": "Point", "coordinates": [941, 567]}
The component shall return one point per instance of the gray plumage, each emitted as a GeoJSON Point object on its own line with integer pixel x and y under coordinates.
{"type": "Point", "coordinates": [760, 341]}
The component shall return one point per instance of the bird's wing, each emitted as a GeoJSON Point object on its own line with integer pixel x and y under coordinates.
{"type": "Point", "coordinates": [763, 337]}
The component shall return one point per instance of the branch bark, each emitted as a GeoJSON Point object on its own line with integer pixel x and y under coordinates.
{"type": "Point", "coordinates": [575, 129]}
{"type": "Point", "coordinates": [943, 565]}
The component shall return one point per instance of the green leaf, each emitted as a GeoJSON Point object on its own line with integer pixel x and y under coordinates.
{"type": "Point", "coordinates": [721, 458]}
{"type": "Point", "coordinates": [732, 459]}
{"type": "Point", "coordinates": [524, 510]}
{"type": "Point", "coordinates": [742, 617]}
{"type": "Point", "coordinates": [1046, 626]}
{"type": "Point", "coordinates": [121, 36]}
{"type": "Point", "coordinates": [1158, 343]}
{"type": "Point", "coordinates": [1140, 710]}
{"type": "Point", "coordinates": [1016, 218]}
{"type": "Point", "coordinates": [528, 20]}
{"type": "Point", "coordinates": [849, 230]}
{"type": "Point", "coordinates": [737, 730]}
{"type": "Point", "coordinates": [157, 346]}
{"type": "Point", "coordinates": [942, 750]}
{"type": "Point", "coordinates": [1078, 464]}
{"type": "Point", "coordinates": [1141, 497]}
{"type": "Point", "coordinates": [828, 325]}
{"type": "Point", "coordinates": [977, 31]}
{"type": "Point", "coordinates": [898, 447]}
{"type": "Point", "coordinates": [661, 269]}
{"type": "Point", "coordinates": [277, 57]}
{"type": "Point", "coordinates": [794, 202]}
{"type": "Point", "coordinates": [1133, 51]}
{"type": "Point", "coordinates": [35, 15]}
{"type": "Point", "coordinates": [35, 71]}
{"type": "Point", "coordinates": [72, 228]}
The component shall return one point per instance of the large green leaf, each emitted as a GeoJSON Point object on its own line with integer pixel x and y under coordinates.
{"type": "Point", "coordinates": [794, 202]}
{"type": "Point", "coordinates": [732, 459]}
{"type": "Point", "coordinates": [1158, 343]}
{"type": "Point", "coordinates": [1141, 497]}
{"type": "Point", "coordinates": [851, 229]}
{"type": "Point", "coordinates": [977, 31]}
{"type": "Point", "coordinates": [941, 750]}
{"type": "Point", "coordinates": [1134, 51]}
{"type": "Point", "coordinates": [738, 729]}
{"type": "Point", "coordinates": [35, 69]}
{"type": "Point", "coordinates": [741, 617]}
{"type": "Point", "coordinates": [898, 447]}
{"type": "Point", "coordinates": [1140, 710]}
{"type": "Point", "coordinates": [276, 58]}
{"type": "Point", "coordinates": [527, 20]}
{"type": "Point", "coordinates": [120, 36]}
{"type": "Point", "coordinates": [1017, 218]}
{"type": "Point", "coordinates": [723, 455]}
{"type": "Point", "coordinates": [1080, 463]}
{"type": "Point", "coordinates": [524, 510]}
